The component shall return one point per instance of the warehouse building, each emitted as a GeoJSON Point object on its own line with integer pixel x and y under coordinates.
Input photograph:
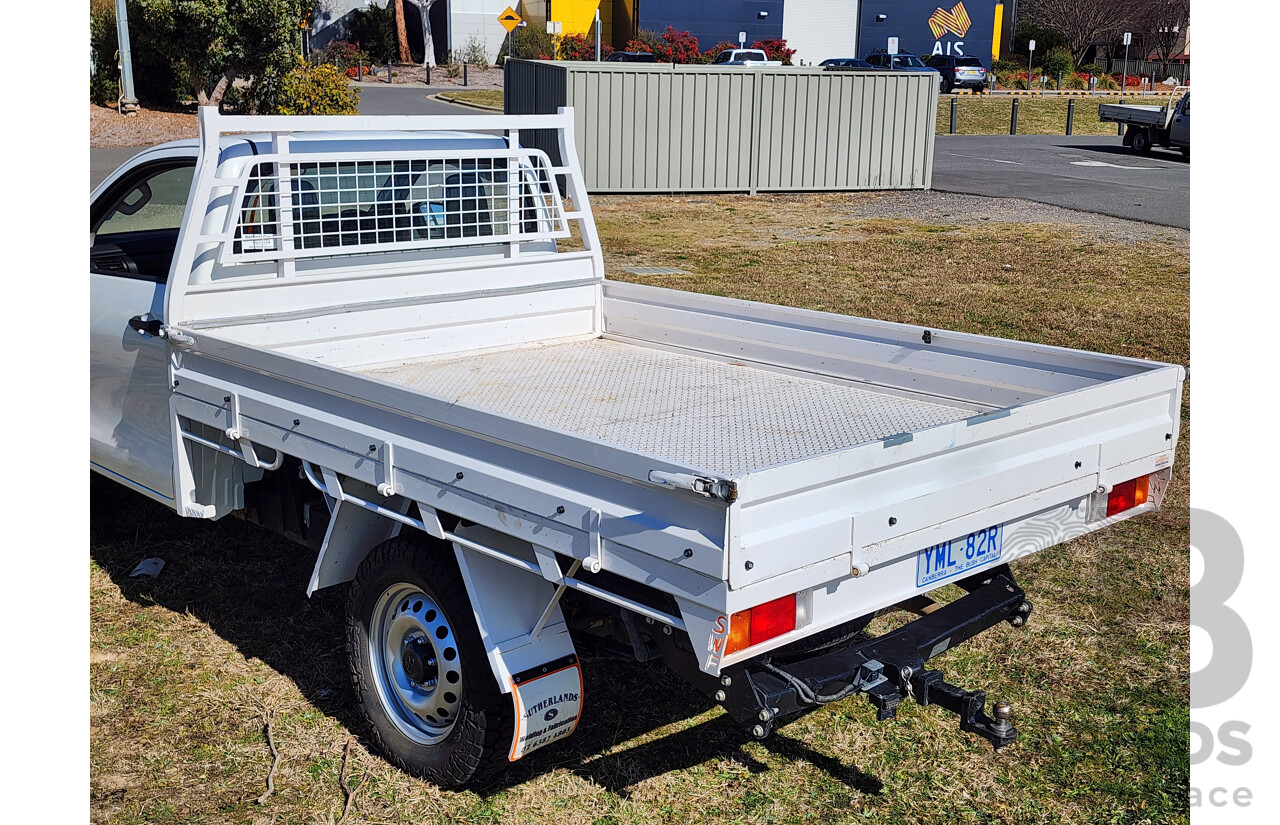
{"type": "Point", "coordinates": [816, 29]}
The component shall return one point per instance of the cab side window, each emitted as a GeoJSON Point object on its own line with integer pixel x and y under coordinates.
{"type": "Point", "coordinates": [135, 224]}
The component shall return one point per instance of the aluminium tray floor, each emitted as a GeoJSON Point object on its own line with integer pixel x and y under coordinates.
{"type": "Point", "coordinates": [725, 418]}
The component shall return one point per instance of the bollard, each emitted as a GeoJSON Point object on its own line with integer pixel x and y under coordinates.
{"type": "Point", "coordinates": [389, 75]}
{"type": "Point", "coordinates": [1071, 113]}
{"type": "Point", "coordinates": [428, 68]}
{"type": "Point", "coordinates": [360, 72]}
{"type": "Point", "coordinates": [954, 101]}
{"type": "Point", "coordinates": [1059, 81]}
{"type": "Point", "coordinates": [464, 74]}
{"type": "Point", "coordinates": [1013, 119]}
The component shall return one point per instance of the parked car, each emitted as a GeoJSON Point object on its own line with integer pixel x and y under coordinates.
{"type": "Point", "coordinates": [900, 62]}
{"type": "Point", "coordinates": [959, 71]}
{"type": "Point", "coordinates": [744, 57]}
{"type": "Point", "coordinates": [631, 57]}
{"type": "Point", "coordinates": [835, 64]}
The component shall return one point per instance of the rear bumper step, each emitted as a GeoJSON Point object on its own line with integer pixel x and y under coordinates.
{"type": "Point", "coordinates": [888, 669]}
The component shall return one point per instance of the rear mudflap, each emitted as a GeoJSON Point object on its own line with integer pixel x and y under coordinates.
{"type": "Point", "coordinates": [762, 692]}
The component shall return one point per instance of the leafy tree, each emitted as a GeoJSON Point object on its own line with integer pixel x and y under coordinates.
{"type": "Point", "coordinates": [374, 30]}
{"type": "Point", "coordinates": [210, 43]}
{"type": "Point", "coordinates": [1057, 61]}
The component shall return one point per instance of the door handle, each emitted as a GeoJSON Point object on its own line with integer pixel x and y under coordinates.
{"type": "Point", "coordinates": [146, 324]}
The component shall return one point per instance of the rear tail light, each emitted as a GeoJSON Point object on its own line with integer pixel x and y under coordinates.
{"type": "Point", "coordinates": [1128, 494]}
{"type": "Point", "coordinates": [761, 623]}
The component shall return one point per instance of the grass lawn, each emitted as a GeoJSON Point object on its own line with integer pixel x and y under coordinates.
{"type": "Point", "coordinates": [989, 115]}
{"type": "Point", "coordinates": [185, 668]}
{"type": "Point", "coordinates": [480, 97]}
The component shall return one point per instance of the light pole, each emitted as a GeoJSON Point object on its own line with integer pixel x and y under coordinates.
{"type": "Point", "coordinates": [128, 103]}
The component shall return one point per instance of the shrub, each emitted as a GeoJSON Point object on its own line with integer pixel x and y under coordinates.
{"type": "Point", "coordinates": [638, 46]}
{"type": "Point", "coordinates": [1075, 80]}
{"type": "Point", "coordinates": [315, 90]}
{"type": "Point", "coordinates": [775, 48]}
{"type": "Point", "coordinates": [353, 72]}
{"type": "Point", "coordinates": [1107, 83]}
{"type": "Point", "coordinates": [474, 52]}
{"type": "Point", "coordinates": [343, 54]}
{"type": "Point", "coordinates": [1012, 63]}
{"type": "Point", "coordinates": [527, 43]}
{"type": "Point", "coordinates": [710, 54]}
{"type": "Point", "coordinates": [1058, 61]}
{"type": "Point", "coordinates": [1091, 69]}
{"type": "Point", "coordinates": [577, 47]}
{"type": "Point", "coordinates": [651, 39]}
{"type": "Point", "coordinates": [677, 47]}
{"type": "Point", "coordinates": [374, 29]}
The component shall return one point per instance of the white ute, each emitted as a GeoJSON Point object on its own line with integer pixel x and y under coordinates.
{"type": "Point", "coordinates": [379, 326]}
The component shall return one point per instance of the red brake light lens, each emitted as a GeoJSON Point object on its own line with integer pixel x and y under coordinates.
{"type": "Point", "coordinates": [1128, 494]}
{"type": "Point", "coordinates": [761, 623]}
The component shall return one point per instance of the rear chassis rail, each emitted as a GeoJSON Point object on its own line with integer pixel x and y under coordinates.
{"type": "Point", "coordinates": [762, 692]}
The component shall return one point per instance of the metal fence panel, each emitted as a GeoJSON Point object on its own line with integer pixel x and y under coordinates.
{"type": "Point", "coordinates": [664, 128]}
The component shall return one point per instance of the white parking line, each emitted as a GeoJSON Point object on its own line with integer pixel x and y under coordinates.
{"type": "Point", "coordinates": [992, 160]}
{"type": "Point", "coordinates": [1112, 165]}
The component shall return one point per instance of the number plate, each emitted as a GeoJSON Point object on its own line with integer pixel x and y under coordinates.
{"type": "Point", "coordinates": [950, 558]}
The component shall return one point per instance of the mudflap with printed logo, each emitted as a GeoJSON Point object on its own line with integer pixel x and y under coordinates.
{"type": "Point", "coordinates": [548, 704]}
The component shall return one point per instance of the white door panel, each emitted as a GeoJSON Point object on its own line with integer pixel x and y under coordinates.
{"type": "Point", "coordinates": [129, 384]}
{"type": "Point", "coordinates": [133, 226]}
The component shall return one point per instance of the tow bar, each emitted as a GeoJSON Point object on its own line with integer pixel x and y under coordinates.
{"type": "Point", "coordinates": [888, 668]}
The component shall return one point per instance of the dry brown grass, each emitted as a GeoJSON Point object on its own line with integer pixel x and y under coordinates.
{"type": "Point", "coordinates": [184, 667]}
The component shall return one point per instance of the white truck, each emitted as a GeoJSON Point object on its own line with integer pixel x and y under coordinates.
{"type": "Point", "coordinates": [743, 57]}
{"type": "Point", "coordinates": [1147, 126]}
{"type": "Point", "coordinates": [370, 334]}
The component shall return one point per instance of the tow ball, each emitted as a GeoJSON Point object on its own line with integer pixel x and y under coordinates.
{"type": "Point", "coordinates": [887, 669]}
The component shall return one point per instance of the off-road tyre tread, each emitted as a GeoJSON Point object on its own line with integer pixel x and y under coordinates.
{"type": "Point", "coordinates": [475, 751]}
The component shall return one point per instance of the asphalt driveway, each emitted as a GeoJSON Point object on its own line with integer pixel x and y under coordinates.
{"type": "Point", "coordinates": [1092, 174]}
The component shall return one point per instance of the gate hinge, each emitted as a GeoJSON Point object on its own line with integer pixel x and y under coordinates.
{"type": "Point", "coordinates": [178, 337]}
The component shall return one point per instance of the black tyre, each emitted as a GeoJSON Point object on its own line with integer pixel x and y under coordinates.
{"type": "Point", "coordinates": [418, 667]}
{"type": "Point", "coordinates": [824, 640]}
{"type": "Point", "coordinates": [1141, 141]}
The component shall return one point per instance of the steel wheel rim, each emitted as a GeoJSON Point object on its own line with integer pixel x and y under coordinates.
{"type": "Point", "coordinates": [416, 667]}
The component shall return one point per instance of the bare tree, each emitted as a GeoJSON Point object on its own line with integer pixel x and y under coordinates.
{"type": "Point", "coordinates": [1163, 24]}
{"type": "Point", "coordinates": [428, 48]}
{"type": "Point", "coordinates": [402, 37]}
{"type": "Point", "coordinates": [1081, 22]}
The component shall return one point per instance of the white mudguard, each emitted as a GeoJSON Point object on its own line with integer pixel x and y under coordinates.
{"type": "Point", "coordinates": [541, 672]}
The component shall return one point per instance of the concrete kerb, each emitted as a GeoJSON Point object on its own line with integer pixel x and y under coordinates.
{"type": "Point", "coordinates": [437, 97]}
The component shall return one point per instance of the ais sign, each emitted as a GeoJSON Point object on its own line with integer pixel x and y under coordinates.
{"type": "Point", "coordinates": [929, 27]}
